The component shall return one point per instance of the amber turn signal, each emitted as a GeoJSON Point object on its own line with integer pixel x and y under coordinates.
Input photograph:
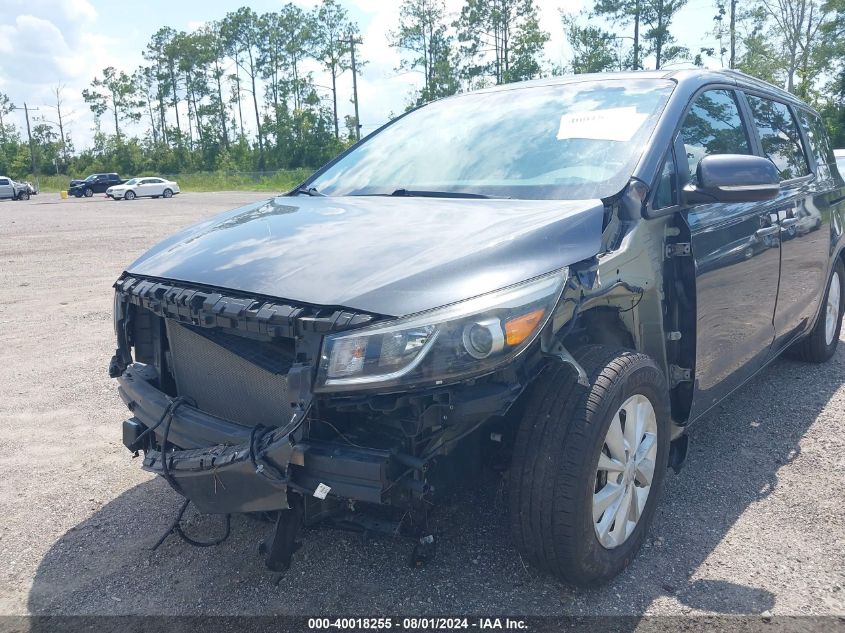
{"type": "Point", "coordinates": [520, 328]}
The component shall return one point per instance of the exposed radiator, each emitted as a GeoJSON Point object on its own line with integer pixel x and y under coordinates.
{"type": "Point", "coordinates": [238, 379]}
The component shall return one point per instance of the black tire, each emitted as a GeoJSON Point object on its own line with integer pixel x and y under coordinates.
{"type": "Point", "coordinates": [129, 195]}
{"type": "Point", "coordinates": [23, 195]}
{"type": "Point", "coordinates": [553, 473]}
{"type": "Point", "coordinates": [167, 193]}
{"type": "Point", "coordinates": [77, 194]}
{"type": "Point", "coordinates": [88, 192]}
{"type": "Point", "coordinates": [814, 348]}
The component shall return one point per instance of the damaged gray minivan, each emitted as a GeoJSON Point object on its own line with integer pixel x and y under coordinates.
{"type": "Point", "coordinates": [555, 277]}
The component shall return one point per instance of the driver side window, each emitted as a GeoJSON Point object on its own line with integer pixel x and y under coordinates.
{"type": "Point", "coordinates": [713, 125]}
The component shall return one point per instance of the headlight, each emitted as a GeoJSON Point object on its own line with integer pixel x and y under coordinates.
{"type": "Point", "coordinates": [468, 338]}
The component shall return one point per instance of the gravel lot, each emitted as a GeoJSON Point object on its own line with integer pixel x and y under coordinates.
{"type": "Point", "coordinates": [754, 523]}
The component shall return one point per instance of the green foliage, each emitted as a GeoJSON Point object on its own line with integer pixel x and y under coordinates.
{"type": "Point", "coordinates": [116, 91]}
{"type": "Point", "coordinates": [593, 49]}
{"type": "Point", "coordinates": [651, 21]}
{"type": "Point", "coordinates": [510, 29]}
{"type": "Point", "coordinates": [332, 34]}
{"type": "Point", "coordinates": [423, 35]}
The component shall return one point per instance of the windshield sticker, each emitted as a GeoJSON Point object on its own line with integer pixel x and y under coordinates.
{"type": "Point", "coordinates": [612, 124]}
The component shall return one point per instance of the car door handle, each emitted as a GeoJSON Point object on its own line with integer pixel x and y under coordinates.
{"type": "Point", "coordinates": [768, 230]}
{"type": "Point", "coordinates": [786, 223]}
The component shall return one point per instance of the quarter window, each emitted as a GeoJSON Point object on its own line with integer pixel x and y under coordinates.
{"type": "Point", "coordinates": [713, 125]}
{"type": "Point", "coordinates": [779, 136]}
{"type": "Point", "coordinates": [666, 194]}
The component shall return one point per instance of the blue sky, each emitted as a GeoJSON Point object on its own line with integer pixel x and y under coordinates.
{"type": "Point", "coordinates": [44, 43]}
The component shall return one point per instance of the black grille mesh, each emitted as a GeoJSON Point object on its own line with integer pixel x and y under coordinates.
{"type": "Point", "coordinates": [223, 383]}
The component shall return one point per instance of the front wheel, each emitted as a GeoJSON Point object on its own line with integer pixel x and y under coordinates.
{"type": "Point", "coordinates": [23, 195]}
{"type": "Point", "coordinates": [589, 465]}
{"type": "Point", "coordinates": [89, 192]}
{"type": "Point", "coordinates": [129, 195]}
{"type": "Point", "coordinates": [168, 193]}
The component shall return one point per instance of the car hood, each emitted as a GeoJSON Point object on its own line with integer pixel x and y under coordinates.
{"type": "Point", "coordinates": [386, 255]}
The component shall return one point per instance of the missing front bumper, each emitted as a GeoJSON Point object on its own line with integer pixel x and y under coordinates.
{"type": "Point", "coordinates": [225, 467]}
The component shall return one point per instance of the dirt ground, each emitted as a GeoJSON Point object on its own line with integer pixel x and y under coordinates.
{"type": "Point", "coordinates": [753, 524]}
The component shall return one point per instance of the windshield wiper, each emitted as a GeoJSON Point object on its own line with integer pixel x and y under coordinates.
{"type": "Point", "coordinates": [308, 191]}
{"type": "Point", "coordinates": [440, 194]}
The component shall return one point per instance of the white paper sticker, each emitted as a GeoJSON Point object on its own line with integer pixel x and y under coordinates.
{"type": "Point", "coordinates": [611, 124]}
{"type": "Point", "coordinates": [321, 491]}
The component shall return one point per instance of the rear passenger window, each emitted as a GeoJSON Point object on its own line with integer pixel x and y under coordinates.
{"type": "Point", "coordinates": [713, 126]}
{"type": "Point", "coordinates": [819, 140]}
{"type": "Point", "coordinates": [779, 136]}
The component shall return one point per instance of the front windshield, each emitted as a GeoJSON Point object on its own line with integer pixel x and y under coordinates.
{"type": "Point", "coordinates": [569, 141]}
{"type": "Point", "coordinates": [91, 177]}
{"type": "Point", "coordinates": [131, 181]}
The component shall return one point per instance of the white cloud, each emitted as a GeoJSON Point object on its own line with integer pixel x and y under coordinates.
{"type": "Point", "coordinates": [48, 43]}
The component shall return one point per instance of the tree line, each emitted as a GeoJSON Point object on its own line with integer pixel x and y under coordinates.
{"type": "Point", "coordinates": [239, 93]}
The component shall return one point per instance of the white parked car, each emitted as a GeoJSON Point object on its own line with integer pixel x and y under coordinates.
{"type": "Point", "coordinates": [138, 187]}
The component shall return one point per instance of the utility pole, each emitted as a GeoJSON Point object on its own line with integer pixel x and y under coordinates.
{"type": "Point", "coordinates": [637, 36]}
{"type": "Point", "coordinates": [732, 61]}
{"type": "Point", "coordinates": [355, 87]}
{"type": "Point", "coordinates": [29, 134]}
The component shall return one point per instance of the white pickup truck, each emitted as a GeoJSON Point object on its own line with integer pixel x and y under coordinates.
{"type": "Point", "coordinates": [14, 190]}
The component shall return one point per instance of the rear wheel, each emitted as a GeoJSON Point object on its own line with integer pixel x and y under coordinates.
{"type": "Point", "coordinates": [589, 465]}
{"type": "Point", "coordinates": [89, 192]}
{"type": "Point", "coordinates": [821, 343]}
{"type": "Point", "coordinates": [167, 193]}
{"type": "Point", "coordinates": [129, 195]}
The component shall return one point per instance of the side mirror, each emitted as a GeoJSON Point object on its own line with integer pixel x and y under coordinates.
{"type": "Point", "coordinates": [733, 178]}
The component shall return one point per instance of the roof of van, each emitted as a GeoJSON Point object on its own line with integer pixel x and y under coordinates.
{"type": "Point", "coordinates": [691, 78]}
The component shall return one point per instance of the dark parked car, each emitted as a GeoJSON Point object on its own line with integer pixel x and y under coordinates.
{"type": "Point", "coordinates": [556, 278]}
{"type": "Point", "coordinates": [95, 183]}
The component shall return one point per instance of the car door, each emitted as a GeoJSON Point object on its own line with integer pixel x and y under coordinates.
{"type": "Point", "coordinates": [6, 188]}
{"type": "Point", "coordinates": [101, 183]}
{"type": "Point", "coordinates": [735, 248]}
{"type": "Point", "coordinates": [156, 187]}
{"type": "Point", "coordinates": [145, 187]}
{"type": "Point", "coordinates": [802, 210]}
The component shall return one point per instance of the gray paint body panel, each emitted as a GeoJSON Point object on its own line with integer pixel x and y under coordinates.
{"type": "Point", "coordinates": [392, 256]}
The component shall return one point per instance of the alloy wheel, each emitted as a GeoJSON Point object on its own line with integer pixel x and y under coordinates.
{"type": "Point", "coordinates": [832, 308]}
{"type": "Point", "coordinates": [625, 471]}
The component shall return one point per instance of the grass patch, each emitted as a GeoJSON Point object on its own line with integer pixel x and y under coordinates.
{"type": "Point", "coordinates": [277, 181]}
